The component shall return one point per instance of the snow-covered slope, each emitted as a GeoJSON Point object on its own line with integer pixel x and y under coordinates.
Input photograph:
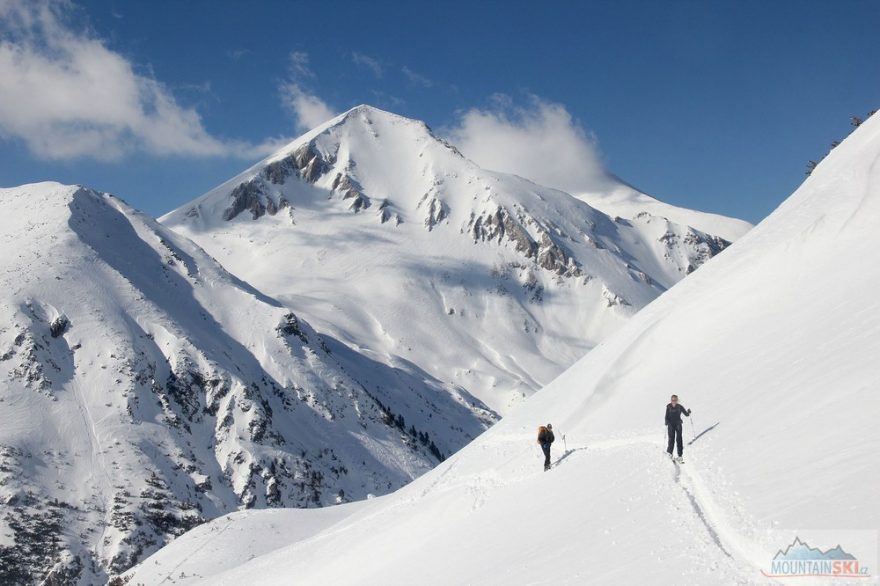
{"type": "Point", "coordinates": [144, 390]}
{"type": "Point", "coordinates": [773, 344]}
{"type": "Point", "coordinates": [386, 236]}
{"type": "Point", "coordinates": [616, 198]}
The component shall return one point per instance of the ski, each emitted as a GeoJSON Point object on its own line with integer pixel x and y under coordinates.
{"type": "Point", "coordinates": [676, 459]}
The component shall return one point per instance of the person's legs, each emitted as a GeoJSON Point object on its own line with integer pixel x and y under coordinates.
{"type": "Point", "coordinates": [670, 431]}
{"type": "Point", "coordinates": [546, 448]}
{"type": "Point", "coordinates": [678, 441]}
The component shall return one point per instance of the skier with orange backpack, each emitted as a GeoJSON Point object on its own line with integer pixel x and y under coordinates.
{"type": "Point", "coordinates": [545, 439]}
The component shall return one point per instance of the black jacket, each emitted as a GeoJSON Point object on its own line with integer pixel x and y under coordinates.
{"type": "Point", "coordinates": [545, 437]}
{"type": "Point", "coordinates": [674, 413]}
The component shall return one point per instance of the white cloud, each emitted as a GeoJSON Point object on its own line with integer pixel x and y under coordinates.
{"type": "Point", "coordinates": [415, 78]}
{"type": "Point", "coordinates": [66, 95]}
{"type": "Point", "coordinates": [540, 141]}
{"type": "Point", "coordinates": [299, 65]}
{"type": "Point", "coordinates": [238, 54]}
{"type": "Point", "coordinates": [308, 109]}
{"type": "Point", "coordinates": [368, 62]}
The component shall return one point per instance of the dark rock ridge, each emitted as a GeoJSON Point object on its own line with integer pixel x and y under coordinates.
{"type": "Point", "coordinates": [501, 225]}
{"type": "Point", "coordinates": [250, 196]}
{"type": "Point", "coordinates": [698, 246]}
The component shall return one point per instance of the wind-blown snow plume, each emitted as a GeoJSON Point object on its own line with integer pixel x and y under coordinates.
{"type": "Point", "coordinates": [307, 108]}
{"type": "Point", "coordinates": [540, 141]}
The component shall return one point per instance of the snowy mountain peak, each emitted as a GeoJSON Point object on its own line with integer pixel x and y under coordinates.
{"type": "Point", "coordinates": [372, 217]}
{"type": "Point", "coordinates": [366, 114]}
{"type": "Point", "coordinates": [358, 120]}
{"type": "Point", "coordinates": [345, 156]}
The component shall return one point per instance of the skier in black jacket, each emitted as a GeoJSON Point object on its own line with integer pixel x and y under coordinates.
{"type": "Point", "coordinates": [674, 411]}
{"type": "Point", "coordinates": [546, 438]}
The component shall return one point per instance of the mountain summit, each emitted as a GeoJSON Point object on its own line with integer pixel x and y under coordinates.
{"type": "Point", "coordinates": [388, 237]}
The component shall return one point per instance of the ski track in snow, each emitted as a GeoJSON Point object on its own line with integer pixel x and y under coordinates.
{"type": "Point", "coordinates": [723, 533]}
{"type": "Point", "coordinates": [703, 506]}
{"type": "Point", "coordinates": [706, 512]}
{"type": "Point", "coordinates": [700, 512]}
{"type": "Point", "coordinates": [96, 457]}
{"type": "Point", "coordinates": [207, 542]}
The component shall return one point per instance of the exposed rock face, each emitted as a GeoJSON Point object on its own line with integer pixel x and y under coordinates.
{"type": "Point", "coordinates": [612, 298]}
{"type": "Point", "coordinates": [59, 325]}
{"type": "Point", "coordinates": [696, 246]}
{"type": "Point", "coordinates": [545, 251]}
{"type": "Point", "coordinates": [436, 210]}
{"type": "Point", "coordinates": [387, 213]}
{"type": "Point", "coordinates": [308, 164]}
{"type": "Point", "coordinates": [350, 189]}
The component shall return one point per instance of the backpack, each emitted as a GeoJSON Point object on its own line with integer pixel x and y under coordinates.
{"type": "Point", "coordinates": [542, 433]}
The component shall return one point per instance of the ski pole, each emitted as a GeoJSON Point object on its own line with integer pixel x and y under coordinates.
{"type": "Point", "coordinates": [565, 445]}
{"type": "Point", "coordinates": [693, 430]}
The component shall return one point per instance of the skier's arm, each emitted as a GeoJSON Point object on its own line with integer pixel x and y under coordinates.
{"type": "Point", "coordinates": [687, 412]}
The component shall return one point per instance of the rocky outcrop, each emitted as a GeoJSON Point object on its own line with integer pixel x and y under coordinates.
{"type": "Point", "coordinates": [308, 164]}
{"type": "Point", "coordinates": [252, 197]}
{"type": "Point", "coordinates": [612, 299]}
{"type": "Point", "coordinates": [501, 226]}
{"type": "Point", "coordinates": [350, 190]}
{"type": "Point", "coordinates": [387, 213]}
{"type": "Point", "coordinates": [436, 210]}
{"type": "Point", "coordinates": [696, 247]}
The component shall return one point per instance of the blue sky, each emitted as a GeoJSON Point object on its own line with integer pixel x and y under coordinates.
{"type": "Point", "coordinates": [711, 105]}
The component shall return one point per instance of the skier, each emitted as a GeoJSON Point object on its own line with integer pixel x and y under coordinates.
{"type": "Point", "coordinates": [546, 438]}
{"type": "Point", "coordinates": [674, 411]}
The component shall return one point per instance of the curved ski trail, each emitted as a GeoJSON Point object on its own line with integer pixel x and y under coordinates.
{"type": "Point", "coordinates": [711, 516]}
{"type": "Point", "coordinates": [98, 462]}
